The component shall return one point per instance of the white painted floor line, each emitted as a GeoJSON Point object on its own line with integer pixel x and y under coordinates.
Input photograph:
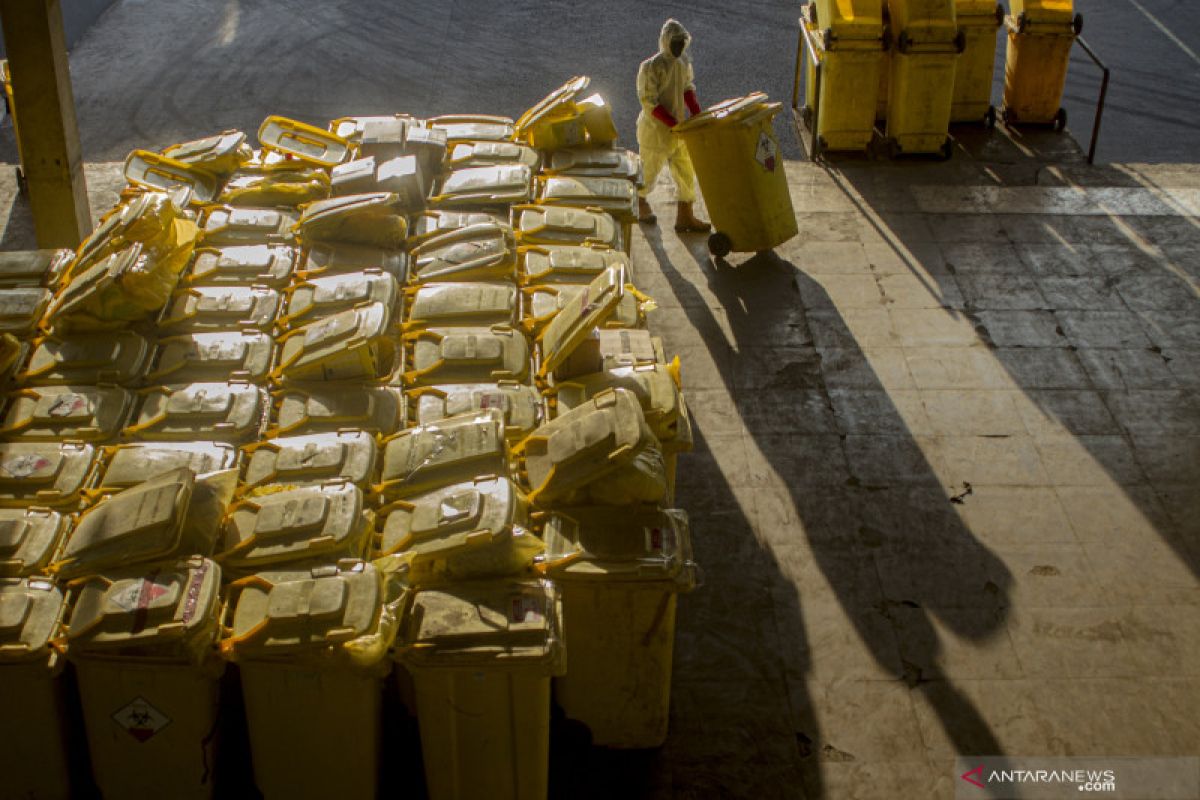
{"type": "Point", "coordinates": [1166, 31]}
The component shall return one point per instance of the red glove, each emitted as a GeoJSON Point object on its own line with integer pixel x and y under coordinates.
{"type": "Point", "coordinates": [664, 116]}
{"type": "Point", "coordinates": [693, 103]}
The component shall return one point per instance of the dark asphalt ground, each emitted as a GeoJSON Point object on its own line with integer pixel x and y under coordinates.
{"type": "Point", "coordinates": [152, 73]}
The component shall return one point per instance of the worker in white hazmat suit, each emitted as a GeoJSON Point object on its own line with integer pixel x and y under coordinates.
{"type": "Point", "coordinates": [667, 91]}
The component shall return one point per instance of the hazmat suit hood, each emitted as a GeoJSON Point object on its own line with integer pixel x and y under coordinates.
{"type": "Point", "coordinates": [672, 29]}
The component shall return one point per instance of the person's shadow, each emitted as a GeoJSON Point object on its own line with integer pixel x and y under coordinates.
{"type": "Point", "coordinates": [852, 492]}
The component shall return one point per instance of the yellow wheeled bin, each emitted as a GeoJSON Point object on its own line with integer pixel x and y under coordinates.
{"type": "Point", "coordinates": [1040, 36]}
{"type": "Point", "coordinates": [481, 656]}
{"type": "Point", "coordinates": [619, 571]}
{"type": "Point", "coordinates": [927, 44]}
{"type": "Point", "coordinates": [144, 644]}
{"type": "Point", "coordinates": [34, 758]}
{"type": "Point", "coordinates": [979, 21]}
{"type": "Point", "coordinates": [851, 47]}
{"type": "Point", "coordinates": [740, 169]}
{"type": "Point", "coordinates": [312, 649]}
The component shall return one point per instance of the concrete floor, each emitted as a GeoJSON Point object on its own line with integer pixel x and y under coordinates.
{"type": "Point", "coordinates": [946, 488]}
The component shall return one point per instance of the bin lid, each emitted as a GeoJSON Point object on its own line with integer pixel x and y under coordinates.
{"type": "Point", "coordinates": [494, 623]}
{"type": "Point", "coordinates": [622, 543]}
{"type": "Point", "coordinates": [851, 19]}
{"type": "Point", "coordinates": [481, 127]}
{"type": "Point", "coordinates": [303, 141]}
{"type": "Point", "coordinates": [30, 616]}
{"type": "Point", "coordinates": [94, 358]}
{"type": "Point", "coordinates": [542, 302]}
{"type": "Point", "coordinates": [374, 219]}
{"type": "Point", "coordinates": [33, 267]}
{"type": "Point", "coordinates": [325, 259]}
{"type": "Point", "coordinates": [49, 473]}
{"type": "Point", "coordinates": [316, 408]}
{"type": "Point", "coordinates": [139, 524]}
{"type": "Point", "coordinates": [229, 412]}
{"type": "Point", "coordinates": [467, 355]}
{"type": "Point", "coordinates": [212, 355]}
{"type": "Point", "coordinates": [473, 303]}
{"type": "Point", "coordinates": [330, 294]}
{"type": "Point", "coordinates": [568, 263]}
{"type": "Point", "coordinates": [433, 222]}
{"type": "Point", "coordinates": [319, 349]}
{"type": "Point", "coordinates": [1044, 10]}
{"type": "Point", "coordinates": [353, 128]}
{"type": "Point", "coordinates": [451, 450]}
{"type": "Point", "coordinates": [479, 251]}
{"type": "Point", "coordinates": [131, 464]}
{"type": "Point", "coordinates": [148, 610]}
{"type": "Point", "coordinates": [317, 457]}
{"type": "Point", "coordinates": [137, 219]}
{"type": "Point", "coordinates": [585, 444]}
{"type": "Point", "coordinates": [522, 405]}
{"type": "Point", "coordinates": [654, 385]}
{"type": "Point", "coordinates": [602, 162]}
{"type": "Point", "coordinates": [54, 413]}
{"type": "Point", "coordinates": [227, 225]}
{"type": "Point", "coordinates": [562, 225]}
{"type": "Point", "coordinates": [261, 264]}
{"type": "Point", "coordinates": [294, 524]}
{"type": "Point", "coordinates": [461, 531]}
{"type": "Point", "coordinates": [288, 611]}
{"type": "Point", "coordinates": [219, 155]}
{"type": "Point", "coordinates": [484, 508]}
{"type": "Point", "coordinates": [579, 317]}
{"type": "Point", "coordinates": [501, 184]}
{"type": "Point", "coordinates": [97, 281]}
{"type": "Point", "coordinates": [615, 195]}
{"type": "Point", "coordinates": [222, 307]}
{"type": "Point", "coordinates": [158, 172]}
{"type": "Point", "coordinates": [735, 110]}
{"type": "Point", "coordinates": [21, 308]}
{"type": "Point", "coordinates": [559, 102]}
{"type": "Point", "coordinates": [924, 17]}
{"type": "Point", "coordinates": [28, 537]}
{"type": "Point", "coordinates": [465, 154]}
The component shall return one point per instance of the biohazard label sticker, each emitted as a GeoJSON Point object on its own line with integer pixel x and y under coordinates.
{"type": "Point", "coordinates": [141, 720]}
{"type": "Point", "coordinates": [767, 152]}
{"type": "Point", "coordinates": [139, 596]}
{"type": "Point", "coordinates": [660, 540]}
{"type": "Point", "coordinates": [526, 608]}
{"type": "Point", "coordinates": [24, 466]}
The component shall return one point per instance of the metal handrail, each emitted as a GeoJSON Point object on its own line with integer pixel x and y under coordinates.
{"type": "Point", "coordinates": [804, 44]}
{"type": "Point", "coordinates": [1091, 159]}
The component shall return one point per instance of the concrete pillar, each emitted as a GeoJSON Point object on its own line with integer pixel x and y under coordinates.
{"type": "Point", "coordinates": [45, 117]}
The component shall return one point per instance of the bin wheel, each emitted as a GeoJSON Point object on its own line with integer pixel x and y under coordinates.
{"type": "Point", "coordinates": [989, 117]}
{"type": "Point", "coordinates": [887, 39]}
{"type": "Point", "coordinates": [904, 43]}
{"type": "Point", "coordinates": [1000, 14]}
{"type": "Point", "coordinates": [719, 244]}
{"type": "Point", "coordinates": [1060, 120]}
{"type": "Point", "coordinates": [891, 149]}
{"type": "Point", "coordinates": [960, 41]}
{"type": "Point", "coordinates": [1077, 24]}
{"type": "Point", "coordinates": [947, 149]}
{"type": "Point", "coordinates": [1022, 22]}
{"type": "Point", "coordinates": [827, 39]}
{"type": "Point", "coordinates": [1009, 116]}
{"type": "Point", "coordinates": [22, 183]}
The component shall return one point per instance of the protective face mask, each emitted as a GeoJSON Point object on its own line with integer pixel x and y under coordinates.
{"type": "Point", "coordinates": [677, 46]}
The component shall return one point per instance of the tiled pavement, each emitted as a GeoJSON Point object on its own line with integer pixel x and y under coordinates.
{"type": "Point", "coordinates": [946, 487]}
